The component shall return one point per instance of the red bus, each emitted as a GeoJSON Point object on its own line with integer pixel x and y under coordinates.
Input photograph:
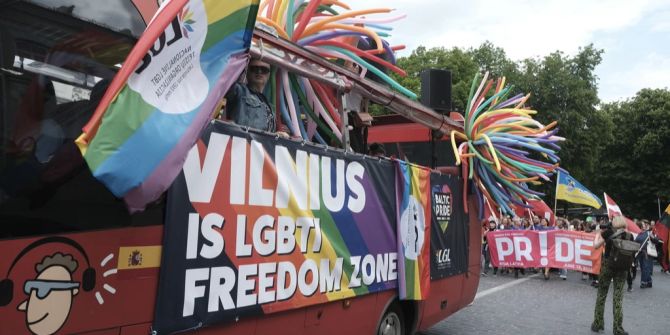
{"type": "Point", "coordinates": [74, 260]}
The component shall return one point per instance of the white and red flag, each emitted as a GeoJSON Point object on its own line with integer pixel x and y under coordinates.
{"type": "Point", "coordinates": [614, 210]}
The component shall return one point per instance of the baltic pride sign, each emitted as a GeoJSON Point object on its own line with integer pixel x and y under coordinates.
{"type": "Point", "coordinates": [257, 225]}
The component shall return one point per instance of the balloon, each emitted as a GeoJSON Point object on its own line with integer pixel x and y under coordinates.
{"type": "Point", "coordinates": [497, 144]}
{"type": "Point", "coordinates": [331, 29]}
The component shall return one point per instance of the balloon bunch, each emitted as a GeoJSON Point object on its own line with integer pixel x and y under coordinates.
{"type": "Point", "coordinates": [498, 139]}
{"type": "Point", "coordinates": [331, 29]}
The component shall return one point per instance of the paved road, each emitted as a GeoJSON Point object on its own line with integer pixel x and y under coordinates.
{"type": "Point", "coordinates": [531, 305]}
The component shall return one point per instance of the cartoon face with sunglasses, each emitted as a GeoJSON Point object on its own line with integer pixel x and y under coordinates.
{"type": "Point", "coordinates": [50, 294]}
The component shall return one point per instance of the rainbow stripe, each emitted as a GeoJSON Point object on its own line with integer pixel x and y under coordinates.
{"type": "Point", "coordinates": [413, 237]}
{"type": "Point", "coordinates": [136, 142]}
{"type": "Point", "coordinates": [345, 234]}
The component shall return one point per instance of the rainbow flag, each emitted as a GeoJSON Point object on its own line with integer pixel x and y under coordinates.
{"type": "Point", "coordinates": [413, 235]}
{"type": "Point", "coordinates": [165, 93]}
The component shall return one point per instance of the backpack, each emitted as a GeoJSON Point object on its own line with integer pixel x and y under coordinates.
{"type": "Point", "coordinates": [622, 254]}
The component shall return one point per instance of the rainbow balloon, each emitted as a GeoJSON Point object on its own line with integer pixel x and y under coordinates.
{"type": "Point", "coordinates": [334, 31]}
{"type": "Point", "coordinates": [498, 140]}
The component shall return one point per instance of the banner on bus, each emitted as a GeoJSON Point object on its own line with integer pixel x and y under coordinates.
{"type": "Point", "coordinates": [561, 249]}
{"type": "Point", "coordinates": [258, 225]}
{"type": "Point", "coordinates": [449, 228]}
{"type": "Point", "coordinates": [413, 222]}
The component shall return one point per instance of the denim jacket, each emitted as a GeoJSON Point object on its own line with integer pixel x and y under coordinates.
{"type": "Point", "coordinates": [248, 108]}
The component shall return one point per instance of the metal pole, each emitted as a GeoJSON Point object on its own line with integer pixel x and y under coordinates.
{"type": "Point", "coordinates": [558, 175]}
{"type": "Point", "coordinates": [659, 206]}
{"type": "Point", "coordinates": [345, 122]}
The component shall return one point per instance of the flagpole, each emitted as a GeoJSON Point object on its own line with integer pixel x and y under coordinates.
{"type": "Point", "coordinates": [607, 206]}
{"type": "Point", "coordinates": [558, 176]}
{"type": "Point", "coordinates": [659, 206]}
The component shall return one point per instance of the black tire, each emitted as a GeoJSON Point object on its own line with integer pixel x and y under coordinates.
{"type": "Point", "coordinates": [393, 321]}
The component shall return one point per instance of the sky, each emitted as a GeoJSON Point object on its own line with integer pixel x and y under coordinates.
{"type": "Point", "coordinates": [634, 34]}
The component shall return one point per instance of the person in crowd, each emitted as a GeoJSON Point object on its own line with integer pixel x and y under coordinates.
{"type": "Point", "coordinates": [630, 276]}
{"type": "Point", "coordinates": [536, 222]}
{"type": "Point", "coordinates": [586, 227]}
{"type": "Point", "coordinates": [516, 225]}
{"type": "Point", "coordinates": [563, 273]}
{"type": "Point", "coordinates": [607, 275]}
{"type": "Point", "coordinates": [646, 261]}
{"type": "Point", "coordinates": [246, 104]}
{"type": "Point", "coordinates": [376, 150]}
{"type": "Point", "coordinates": [490, 226]}
{"type": "Point", "coordinates": [591, 227]}
{"type": "Point", "coordinates": [544, 226]}
{"type": "Point", "coordinates": [505, 223]}
{"type": "Point", "coordinates": [661, 249]}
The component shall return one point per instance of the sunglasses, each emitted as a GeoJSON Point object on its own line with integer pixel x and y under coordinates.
{"type": "Point", "coordinates": [44, 287]}
{"type": "Point", "coordinates": [259, 69]}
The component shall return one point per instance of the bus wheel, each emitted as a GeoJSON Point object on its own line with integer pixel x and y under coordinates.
{"type": "Point", "coordinates": [393, 322]}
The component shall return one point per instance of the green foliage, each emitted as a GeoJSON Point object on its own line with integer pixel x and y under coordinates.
{"type": "Point", "coordinates": [635, 163]}
{"type": "Point", "coordinates": [621, 148]}
{"type": "Point", "coordinates": [564, 89]}
{"type": "Point", "coordinates": [462, 66]}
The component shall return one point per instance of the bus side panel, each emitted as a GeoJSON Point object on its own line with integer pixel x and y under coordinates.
{"type": "Point", "coordinates": [113, 331]}
{"type": "Point", "coordinates": [289, 322]}
{"type": "Point", "coordinates": [123, 292]}
{"type": "Point", "coordinates": [450, 294]}
{"type": "Point", "coordinates": [443, 300]}
{"type": "Point", "coordinates": [471, 281]}
{"type": "Point", "coordinates": [350, 316]}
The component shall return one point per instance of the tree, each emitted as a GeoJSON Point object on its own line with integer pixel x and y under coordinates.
{"type": "Point", "coordinates": [494, 60]}
{"type": "Point", "coordinates": [461, 64]}
{"type": "Point", "coordinates": [635, 164]}
{"type": "Point", "coordinates": [564, 88]}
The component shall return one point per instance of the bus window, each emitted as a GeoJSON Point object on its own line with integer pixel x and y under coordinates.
{"type": "Point", "coordinates": [54, 72]}
{"type": "Point", "coordinates": [117, 15]}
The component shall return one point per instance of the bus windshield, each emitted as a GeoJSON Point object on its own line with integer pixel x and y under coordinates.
{"type": "Point", "coordinates": [54, 69]}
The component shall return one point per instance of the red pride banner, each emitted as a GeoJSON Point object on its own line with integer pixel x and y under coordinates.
{"type": "Point", "coordinates": [562, 249]}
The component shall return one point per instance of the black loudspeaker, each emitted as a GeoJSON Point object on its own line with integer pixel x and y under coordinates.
{"type": "Point", "coordinates": [436, 89]}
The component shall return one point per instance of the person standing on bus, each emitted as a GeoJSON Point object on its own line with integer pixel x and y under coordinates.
{"type": "Point", "coordinates": [246, 104]}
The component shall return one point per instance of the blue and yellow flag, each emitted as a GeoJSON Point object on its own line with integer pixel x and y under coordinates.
{"type": "Point", "coordinates": [569, 189]}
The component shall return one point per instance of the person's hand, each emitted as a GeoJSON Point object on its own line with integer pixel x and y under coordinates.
{"type": "Point", "coordinates": [283, 134]}
{"type": "Point", "coordinates": [598, 241]}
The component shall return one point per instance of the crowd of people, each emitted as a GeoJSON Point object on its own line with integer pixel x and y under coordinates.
{"type": "Point", "coordinates": [643, 262]}
{"type": "Point", "coordinates": [605, 232]}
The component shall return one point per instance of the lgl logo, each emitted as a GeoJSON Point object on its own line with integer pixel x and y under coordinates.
{"type": "Point", "coordinates": [442, 256]}
{"type": "Point", "coordinates": [155, 50]}
{"type": "Point", "coordinates": [170, 76]}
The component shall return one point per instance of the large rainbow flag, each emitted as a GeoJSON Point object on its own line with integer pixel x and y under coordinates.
{"type": "Point", "coordinates": [165, 93]}
{"type": "Point", "coordinates": [413, 236]}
